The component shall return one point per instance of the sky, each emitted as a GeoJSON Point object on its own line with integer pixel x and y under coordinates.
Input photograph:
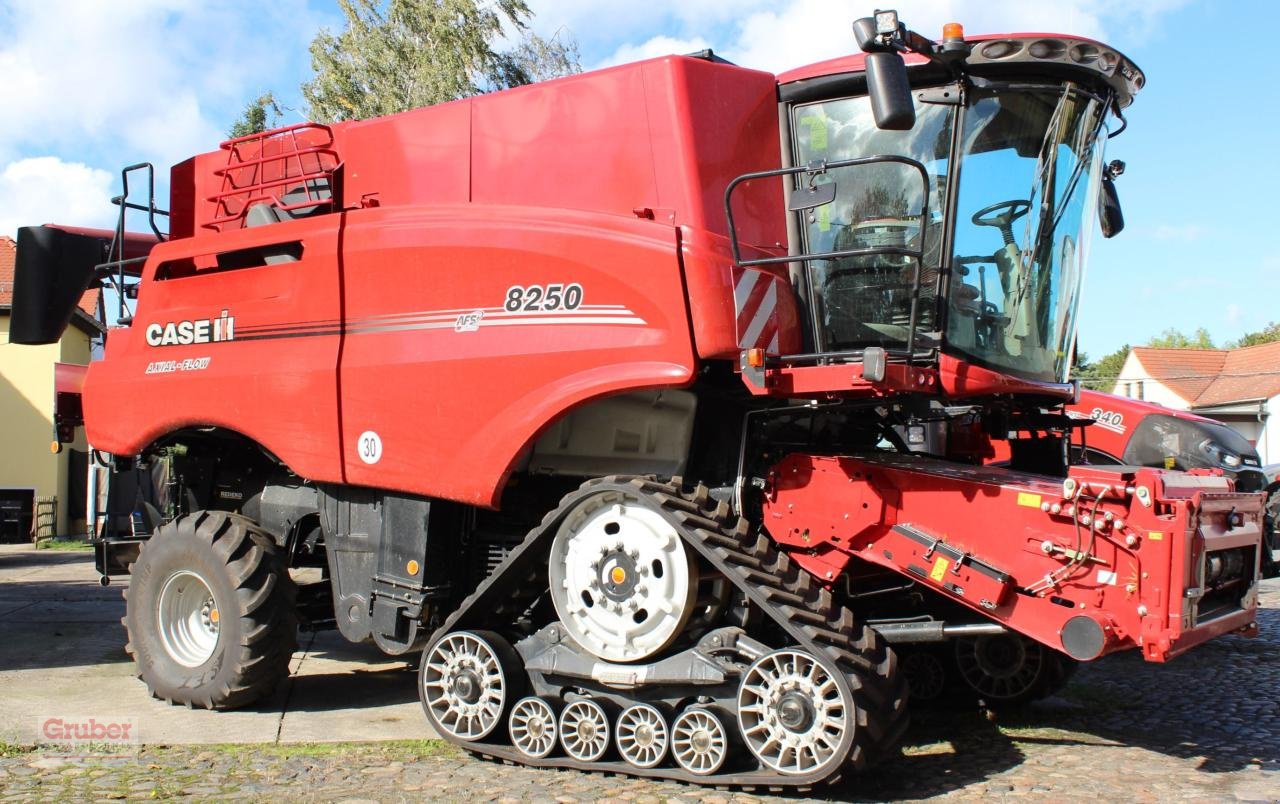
{"type": "Point", "coordinates": [91, 86]}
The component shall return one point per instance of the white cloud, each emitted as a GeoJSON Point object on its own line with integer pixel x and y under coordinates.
{"type": "Point", "coordinates": [778, 36]}
{"type": "Point", "coordinates": [132, 80]}
{"type": "Point", "coordinates": [47, 190]}
{"type": "Point", "coordinates": [657, 46]}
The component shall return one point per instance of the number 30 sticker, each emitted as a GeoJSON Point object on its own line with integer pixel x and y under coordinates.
{"type": "Point", "coordinates": [369, 445]}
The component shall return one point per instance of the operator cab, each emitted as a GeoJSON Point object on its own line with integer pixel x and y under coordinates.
{"type": "Point", "coordinates": [941, 217]}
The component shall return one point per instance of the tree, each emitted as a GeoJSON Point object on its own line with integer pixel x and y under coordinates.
{"type": "Point", "coordinates": [395, 55]}
{"type": "Point", "coordinates": [1268, 334]}
{"type": "Point", "coordinates": [1175, 339]}
{"type": "Point", "coordinates": [1101, 376]}
{"type": "Point", "coordinates": [254, 119]}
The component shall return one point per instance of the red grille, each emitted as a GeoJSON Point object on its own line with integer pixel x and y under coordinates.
{"type": "Point", "coordinates": [290, 168]}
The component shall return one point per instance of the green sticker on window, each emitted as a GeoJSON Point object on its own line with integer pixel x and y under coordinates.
{"type": "Point", "coordinates": [817, 125]}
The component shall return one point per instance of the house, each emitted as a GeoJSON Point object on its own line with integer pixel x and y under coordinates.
{"type": "Point", "coordinates": [29, 469]}
{"type": "Point", "coordinates": [1239, 387]}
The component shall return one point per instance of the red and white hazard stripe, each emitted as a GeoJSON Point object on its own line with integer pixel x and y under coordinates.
{"type": "Point", "coordinates": [755, 299]}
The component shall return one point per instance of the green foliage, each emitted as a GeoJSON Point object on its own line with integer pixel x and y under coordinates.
{"type": "Point", "coordinates": [395, 55]}
{"type": "Point", "coordinates": [1176, 339]}
{"type": "Point", "coordinates": [1268, 334]}
{"type": "Point", "coordinates": [1101, 376]}
{"type": "Point", "coordinates": [258, 116]}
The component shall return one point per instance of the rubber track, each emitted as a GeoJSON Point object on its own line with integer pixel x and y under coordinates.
{"type": "Point", "coordinates": [767, 576]}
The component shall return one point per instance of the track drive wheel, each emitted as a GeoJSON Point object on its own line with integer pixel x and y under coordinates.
{"type": "Point", "coordinates": [1009, 670]}
{"type": "Point", "coordinates": [468, 682]}
{"type": "Point", "coordinates": [210, 612]}
{"type": "Point", "coordinates": [796, 714]}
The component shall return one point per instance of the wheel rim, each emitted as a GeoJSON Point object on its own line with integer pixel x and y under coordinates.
{"type": "Point", "coordinates": [794, 714]}
{"type": "Point", "coordinates": [1001, 667]}
{"type": "Point", "coordinates": [926, 675]}
{"type": "Point", "coordinates": [621, 580]}
{"type": "Point", "coordinates": [464, 686]}
{"type": "Point", "coordinates": [642, 736]}
{"type": "Point", "coordinates": [584, 730]}
{"type": "Point", "coordinates": [188, 619]}
{"type": "Point", "coordinates": [699, 742]}
{"type": "Point", "coordinates": [533, 727]}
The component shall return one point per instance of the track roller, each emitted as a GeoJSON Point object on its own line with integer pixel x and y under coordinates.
{"type": "Point", "coordinates": [466, 683]}
{"type": "Point", "coordinates": [699, 741]}
{"type": "Point", "coordinates": [641, 736]}
{"type": "Point", "coordinates": [795, 715]}
{"type": "Point", "coordinates": [532, 726]}
{"type": "Point", "coordinates": [584, 730]}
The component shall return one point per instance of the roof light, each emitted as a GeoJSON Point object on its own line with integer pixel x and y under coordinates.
{"type": "Point", "coordinates": [952, 32]}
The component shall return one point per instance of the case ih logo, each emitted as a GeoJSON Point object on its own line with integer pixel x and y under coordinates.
{"type": "Point", "coordinates": [201, 330]}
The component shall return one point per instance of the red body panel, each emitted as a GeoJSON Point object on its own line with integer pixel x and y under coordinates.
{"type": "Point", "coordinates": [393, 322]}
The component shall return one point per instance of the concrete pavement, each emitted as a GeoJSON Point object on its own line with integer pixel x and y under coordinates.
{"type": "Point", "coordinates": [62, 655]}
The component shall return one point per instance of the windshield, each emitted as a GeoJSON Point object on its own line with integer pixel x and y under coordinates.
{"type": "Point", "coordinates": [1028, 184]}
{"type": "Point", "coordinates": [1028, 197]}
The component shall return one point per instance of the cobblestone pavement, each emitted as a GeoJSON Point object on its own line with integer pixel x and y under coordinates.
{"type": "Point", "coordinates": [1205, 727]}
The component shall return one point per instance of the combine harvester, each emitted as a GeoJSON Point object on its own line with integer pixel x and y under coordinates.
{"type": "Point", "coordinates": [590, 391]}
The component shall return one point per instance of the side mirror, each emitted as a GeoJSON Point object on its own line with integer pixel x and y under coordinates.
{"type": "Point", "coordinates": [1110, 216]}
{"type": "Point", "coordinates": [887, 83]}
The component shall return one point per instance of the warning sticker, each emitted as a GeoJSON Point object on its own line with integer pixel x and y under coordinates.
{"type": "Point", "coordinates": [1028, 499]}
{"type": "Point", "coordinates": [1155, 535]}
{"type": "Point", "coordinates": [939, 570]}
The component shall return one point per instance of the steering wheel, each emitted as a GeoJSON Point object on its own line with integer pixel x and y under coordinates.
{"type": "Point", "coordinates": [1011, 211]}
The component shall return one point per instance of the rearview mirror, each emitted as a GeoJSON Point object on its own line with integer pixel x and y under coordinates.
{"type": "Point", "coordinates": [1110, 216]}
{"type": "Point", "coordinates": [891, 102]}
{"type": "Point", "coordinates": [887, 83]}
{"type": "Point", "coordinates": [814, 195]}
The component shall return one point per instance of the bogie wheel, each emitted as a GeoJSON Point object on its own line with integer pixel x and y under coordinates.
{"type": "Point", "coordinates": [796, 714]}
{"type": "Point", "coordinates": [467, 683]}
{"type": "Point", "coordinates": [641, 735]}
{"type": "Point", "coordinates": [1010, 670]}
{"type": "Point", "coordinates": [584, 730]}
{"type": "Point", "coordinates": [699, 741]}
{"type": "Point", "coordinates": [532, 726]}
{"type": "Point", "coordinates": [210, 612]}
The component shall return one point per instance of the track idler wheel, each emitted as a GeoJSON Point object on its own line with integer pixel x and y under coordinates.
{"type": "Point", "coordinates": [467, 682]}
{"type": "Point", "coordinates": [642, 736]}
{"type": "Point", "coordinates": [795, 712]}
{"type": "Point", "coordinates": [699, 741]}
{"type": "Point", "coordinates": [584, 730]}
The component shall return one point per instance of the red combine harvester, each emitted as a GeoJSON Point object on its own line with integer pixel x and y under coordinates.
{"type": "Point", "coordinates": [591, 392]}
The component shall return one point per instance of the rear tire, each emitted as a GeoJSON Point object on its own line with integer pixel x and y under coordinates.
{"type": "Point", "coordinates": [210, 612]}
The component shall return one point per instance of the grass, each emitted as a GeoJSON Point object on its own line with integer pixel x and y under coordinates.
{"type": "Point", "coordinates": [65, 545]}
{"type": "Point", "coordinates": [8, 749]}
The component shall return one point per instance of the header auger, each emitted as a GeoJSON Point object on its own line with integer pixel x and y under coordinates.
{"type": "Point", "coordinates": [655, 406]}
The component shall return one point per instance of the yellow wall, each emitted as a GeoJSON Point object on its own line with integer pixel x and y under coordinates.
{"type": "Point", "coordinates": [26, 419]}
